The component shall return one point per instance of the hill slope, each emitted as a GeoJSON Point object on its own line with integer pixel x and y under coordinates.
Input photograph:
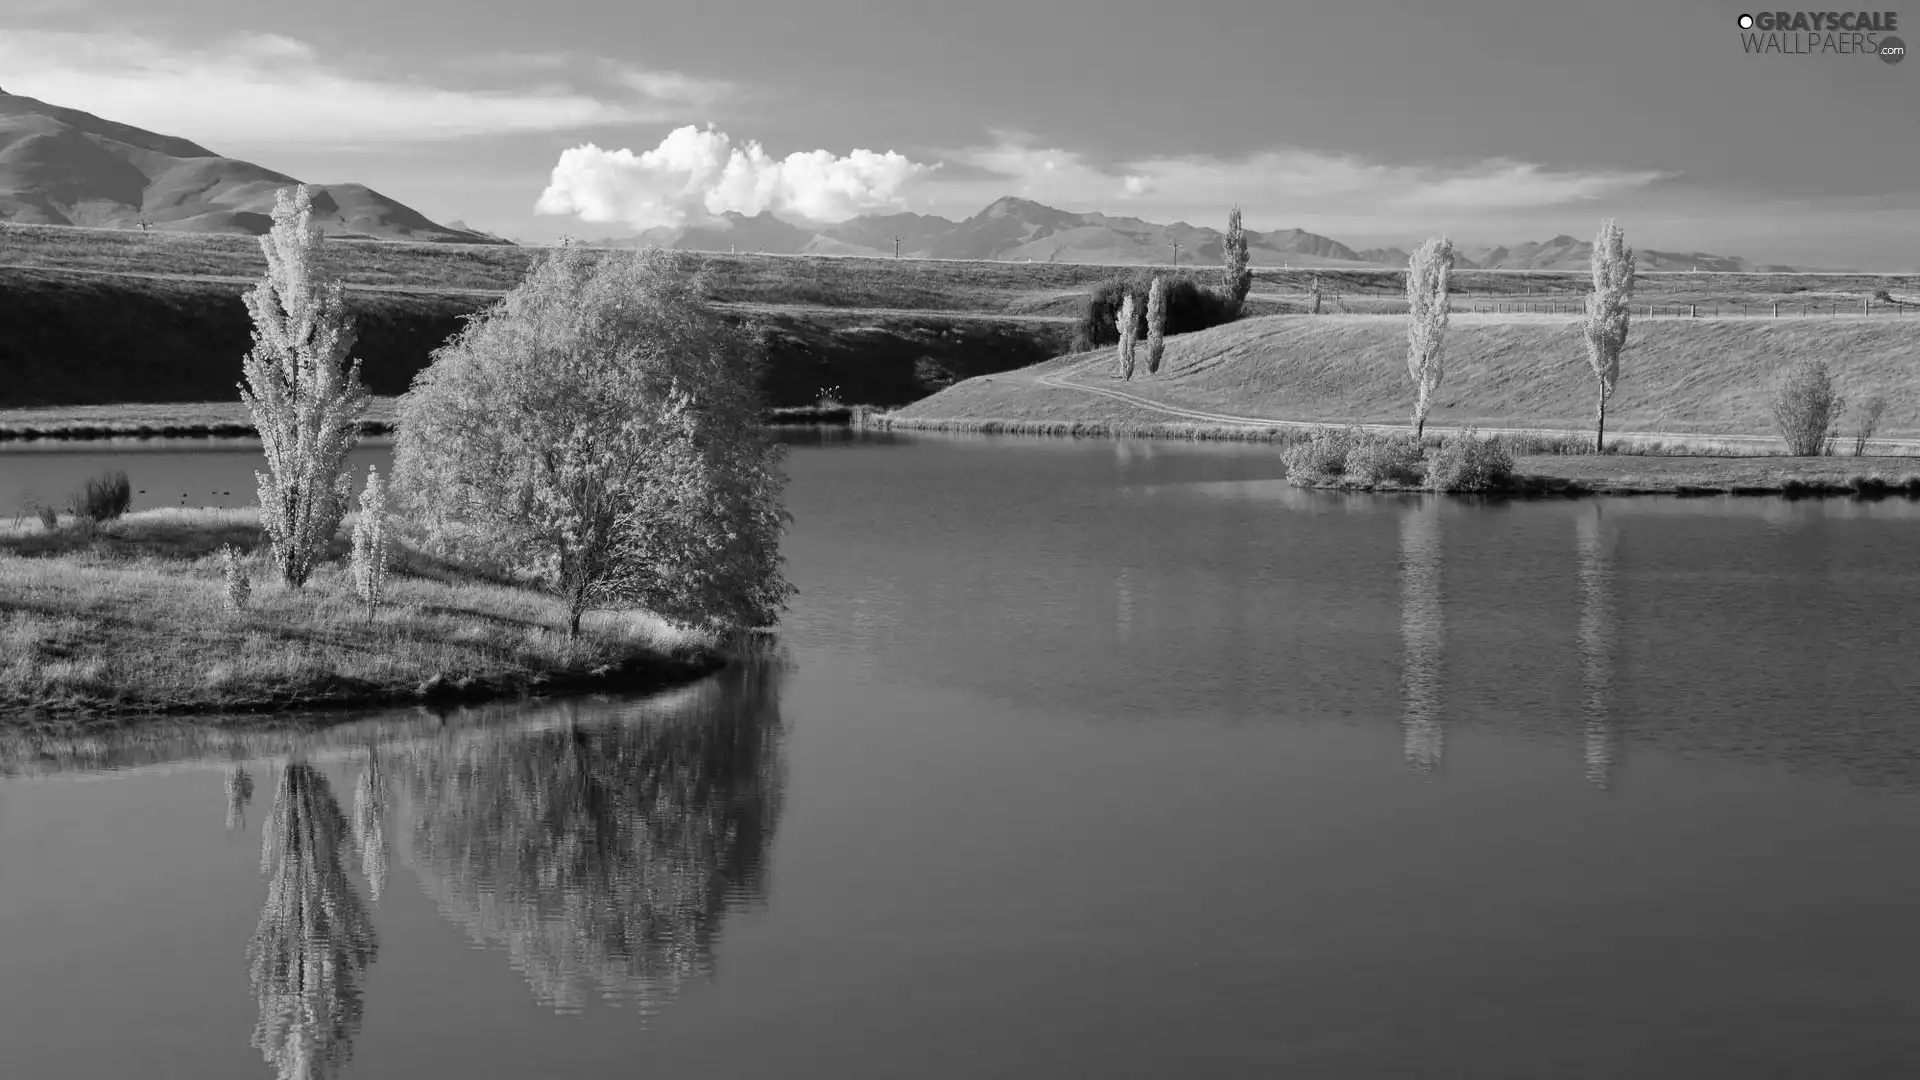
{"type": "Point", "coordinates": [61, 166]}
{"type": "Point", "coordinates": [1707, 376]}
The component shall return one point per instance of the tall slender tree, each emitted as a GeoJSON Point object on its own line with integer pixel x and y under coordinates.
{"type": "Point", "coordinates": [1428, 271]}
{"type": "Point", "coordinates": [1236, 277]}
{"type": "Point", "coordinates": [304, 394]}
{"type": "Point", "coordinates": [1156, 324]}
{"type": "Point", "coordinates": [1609, 308]}
{"type": "Point", "coordinates": [1127, 318]}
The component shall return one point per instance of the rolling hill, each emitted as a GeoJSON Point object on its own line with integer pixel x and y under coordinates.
{"type": "Point", "coordinates": [61, 166]}
{"type": "Point", "coordinates": [1021, 230]}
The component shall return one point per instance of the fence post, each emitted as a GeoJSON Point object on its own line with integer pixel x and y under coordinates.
{"type": "Point", "coordinates": [1866, 306]}
{"type": "Point", "coordinates": [1693, 311]}
{"type": "Point", "coordinates": [1776, 309]}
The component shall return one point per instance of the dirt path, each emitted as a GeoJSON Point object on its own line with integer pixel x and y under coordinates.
{"type": "Point", "coordinates": [1064, 380]}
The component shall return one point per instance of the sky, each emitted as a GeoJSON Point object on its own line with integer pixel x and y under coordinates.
{"type": "Point", "coordinates": [1373, 122]}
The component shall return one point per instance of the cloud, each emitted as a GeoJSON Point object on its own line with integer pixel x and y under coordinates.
{"type": "Point", "coordinates": [268, 88]}
{"type": "Point", "coordinates": [695, 174]}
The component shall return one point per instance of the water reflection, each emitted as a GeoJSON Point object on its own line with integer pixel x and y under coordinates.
{"type": "Point", "coordinates": [370, 801]}
{"type": "Point", "coordinates": [1420, 635]}
{"type": "Point", "coordinates": [239, 795]}
{"type": "Point", "coordinates": [315, 937]}
{"type": "Point", "coordinates": [600, 852]}
{"type": "Point", "coordinates": [1597, 642]}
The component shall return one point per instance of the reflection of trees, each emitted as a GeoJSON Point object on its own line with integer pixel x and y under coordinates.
{"type": "Point", "coordinates": [370, 822]}
{"type": "Point", "coordinates": [601, 852]}
{"type": "Point", "coordinates": [315, 938]}
{"type": "Point", "coordinates": [1597, 636]}
{"type": "Point", "coordinates": [239, 795]}
{"type": "Point", "coordinates": [1420, 635]}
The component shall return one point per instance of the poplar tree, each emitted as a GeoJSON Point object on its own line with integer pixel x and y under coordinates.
{"type": "Point", "coordinates": [1609, 309]}
{"type": "Point", "coordinates": [1236, 276]}
{"type": "Point", "coordinates": [1156, 325]}
{"type": "Point", "coordinates": [305, 395]}
{"type": "Point", "coordinates": [1128, 330]}
{"type": "Point", "coordinates": [1428, 270]}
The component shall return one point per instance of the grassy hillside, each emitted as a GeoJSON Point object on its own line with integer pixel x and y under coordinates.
{"type": "Point", "coordinates": [1694, 375]}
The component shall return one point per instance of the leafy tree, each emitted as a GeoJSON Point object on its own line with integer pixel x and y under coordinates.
{"type": "Point", "coordinates": [597, 432]}
{"type": "Point", "coordinates": [1609, 307]}
{"type": "Point", "coordinates": [1236, 277]}
{"type": "Point", "coordinates": [1156, 325]}
{"type": "Point", "coordinates": [1191, 306]}
{"type": "Point", "coordinates": [305, 396]}
{"type": "Point", "coordinates": [1127, 332]}
{"type": "Point", "coordinates": [1807, 408]}
{"type": "Point", "coordinates": [370, 541]}
{"type": "Point", "coordinates": [1428, 271]}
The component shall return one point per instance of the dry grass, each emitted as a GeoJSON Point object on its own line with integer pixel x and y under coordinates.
{"type": "Point", "coordinates": [1704, 377]}
{"type": "Point", "coordinates": [128, 619]}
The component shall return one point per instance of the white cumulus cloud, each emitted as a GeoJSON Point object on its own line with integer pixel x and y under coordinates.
{"type": "Point", "coordinates": [695, 174]}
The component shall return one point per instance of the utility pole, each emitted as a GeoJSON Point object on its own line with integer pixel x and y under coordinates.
{"type": "Point", "coordinates": [1175, 245]}
{"type": "Point", "coordinates": [896, 244]}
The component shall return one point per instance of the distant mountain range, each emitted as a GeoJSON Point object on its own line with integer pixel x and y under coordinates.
{"type": "Point", "coordinates": [65, 167]}
{"type": "Point", "coordinates": [1020, 230]}
{"type": "Point", "coordinates": [61, 166]}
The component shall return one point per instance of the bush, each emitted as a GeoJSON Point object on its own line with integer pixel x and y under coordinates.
{"type": "Point", "coordinates": [102, 498]}
{"type": "Point", "coordinates": [1468, 463]}
{"type": "Point", "coordinates": [1321, 457]}
{"type": "Point", "coordinates": [1807, 409]}
{"type": "Point", "coordinates": [49, 518]}
{"type": "Point", "coordinates": [1380, 459]}
{"type": "Point", "coordinates": [1869, 422]}
{"type": "Point", "coordinates": [1190, 306]}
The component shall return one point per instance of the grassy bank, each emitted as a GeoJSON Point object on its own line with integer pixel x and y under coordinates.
{"type": "Point", "coordinates": [231, 420]}
{"type": "Point", "coordinates": [127, 620]}
{"type": "Point", "coordinates": [1704, 377]}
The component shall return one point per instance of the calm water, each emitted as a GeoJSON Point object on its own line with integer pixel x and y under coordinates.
{"type": "Point", "coordinates": [1088, 759]}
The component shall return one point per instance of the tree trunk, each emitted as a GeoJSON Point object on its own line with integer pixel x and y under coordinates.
{"type": "Point", "coordinates": [1600, 429]}
{"type": "Point", "coordinates": [1419, 427]}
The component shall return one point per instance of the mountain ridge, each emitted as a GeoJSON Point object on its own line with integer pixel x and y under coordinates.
{"type": "Point", "coordinates": [62, 166]}
{"type": "Point", "coordinates": [1013, 229]}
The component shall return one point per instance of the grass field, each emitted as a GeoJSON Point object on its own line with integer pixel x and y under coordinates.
{"type": "Point", "coordinates": [1706, 377]}
{"type": "Point", "coordinates": [127, 619]}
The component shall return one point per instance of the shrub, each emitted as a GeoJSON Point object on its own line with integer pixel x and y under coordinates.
{"type": "Point", "coordinates": [238, 588]}
{"type": "Point", "coordinates": [1870, 415]}
{"type": "Point", "coordinates": [597, 433]}
{"type": "Point", "coordinates": [305, 396]}
{"type": "Point", "coordinates": [1321, 457]}
{"type": "Point", "coordinates": [1468, 463]}
{"type": "Point", "coordinates": [1190, 307]}
{"type": "Point", "coordinates": [49, 518]}
{"type": "Point", "coordinates": [1807, 409]}
{"type": "Point", "coordinates": [1376, 459]}
{"type": "Point", "coordinates": [102, 498]}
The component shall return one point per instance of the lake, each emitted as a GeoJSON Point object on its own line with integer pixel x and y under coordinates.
{"type": "Point", "coordinates": [1086, 758]}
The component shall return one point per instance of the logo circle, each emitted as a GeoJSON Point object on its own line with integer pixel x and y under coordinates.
{"type": "Point", "coordinates": [1746, 22]}
{"type": "Point", "coordinates": [1892, 50]}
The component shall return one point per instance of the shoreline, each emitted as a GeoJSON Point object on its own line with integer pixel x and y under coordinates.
{"type": "Point", "coordinates": [124, 621]}
{"type": "Point", "coordinates": [16, 426]}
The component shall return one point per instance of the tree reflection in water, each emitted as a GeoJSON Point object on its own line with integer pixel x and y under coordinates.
{"type": "Point", "coordinates": [315, 938]}
{"type": "Point", "coordinates": [1420, 633]}
{"type": "Point", "coordinates": [1597, 638]}
{"type": "Point", "coordinates": [239, 795]}
{"type": "Point", "coordinates": [601, 847]}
